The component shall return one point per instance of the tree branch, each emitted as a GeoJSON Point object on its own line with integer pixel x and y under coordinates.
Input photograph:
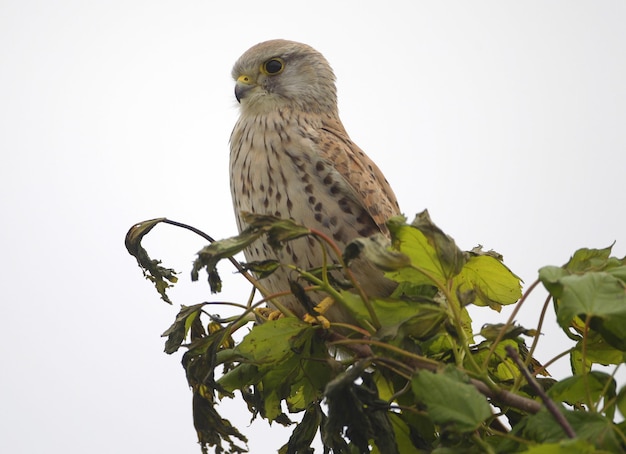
{"type": "Point", "coordinates": [362, 350]}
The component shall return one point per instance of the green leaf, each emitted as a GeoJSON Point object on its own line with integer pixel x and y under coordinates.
{"type": "Point", "coordinates": [597, 351]}
{"type": "Point", "coordinates": [426, 268]}
{"type": "Point", "coordinates": [281, 358]}
{"type": "Point", "coordinates": [419, 320]}
{"type": "Point", "coordinates": [492, 282]}
{"type": "Point", "coordinates": [274, 340]}
{"type": "Point", "coordinates": [597, 295]}
{"type": "Point", "coordinates": [620, 402]}
{"type": "Point", "coordinates": [402, 436]}
{"type": "Point", "coordinates": [563, 447]}
{"type": "Point", "coordinates": [450, 400]}
{"type": "Point", "coordinates": [588, 260]}
{"type": "Point", "coordinates": [499, 365]}
{"type": "Point", "coordinates": [276, 385]}
{"type": "Point", "coordinates": [550, 277]}
{"type": "Point", "coordinates": [450, 256]}
{"type": "Point", "coordinates": [592, 427]}
{"type": "Point", "coordinates": [618, 271]}
{"type": "Point", "coordinates": [239, 377]}
{"type": "Point", "coordinates": [576, 389]}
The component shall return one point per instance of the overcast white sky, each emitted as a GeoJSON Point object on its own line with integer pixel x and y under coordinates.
{"type": "Point", "coordinates": [507, 120]}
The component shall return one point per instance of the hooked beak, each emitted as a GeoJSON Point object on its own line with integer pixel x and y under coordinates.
{"type": "Point", "coordinates": [243, 85]}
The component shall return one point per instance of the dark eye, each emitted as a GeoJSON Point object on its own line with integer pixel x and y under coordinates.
{"type": "Point", "coordinates": [273, 66]}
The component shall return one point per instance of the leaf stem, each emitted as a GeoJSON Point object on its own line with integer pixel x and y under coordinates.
{"type": "Point", "coordinates": [503, 397]}
{"type": "Point", "coordinates": [542, 317]}
{"type": "Point", "coordinates": [590, 405]}
{"type": "Point", "coordinates": [210, 239]}
{"type": "Point", "coordinates": [456, 318]}
{"type": "Point", "coordinates": [550, 405]}
{"type": "Point", "coordinates": [348, 272]}
{"type": "Point", "coordinates": [508, 323]}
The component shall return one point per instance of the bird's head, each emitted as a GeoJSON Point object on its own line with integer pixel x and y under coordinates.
{"type": "Point", "coordinates": [281, 73]}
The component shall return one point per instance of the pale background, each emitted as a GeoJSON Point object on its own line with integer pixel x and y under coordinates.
{"type": "Point", "coordinates": [507, 120]}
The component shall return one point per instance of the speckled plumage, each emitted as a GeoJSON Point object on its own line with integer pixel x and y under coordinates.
{"type": "Point", "coordinates": [291, 157]}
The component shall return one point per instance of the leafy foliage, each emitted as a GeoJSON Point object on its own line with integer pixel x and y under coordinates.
{"type": "Point", "coordinates": [407, 375]}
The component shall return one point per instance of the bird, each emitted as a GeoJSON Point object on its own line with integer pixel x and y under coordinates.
{"type": "Point", "coordinates": [291, 157]}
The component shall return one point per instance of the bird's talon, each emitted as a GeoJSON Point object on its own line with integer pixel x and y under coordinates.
{"type": "Point", "coordinates": [317, 320]}
{"type": "Point", "coordinates": [324, 305]}
{"type": "Point", "coordinates": [268, 313]}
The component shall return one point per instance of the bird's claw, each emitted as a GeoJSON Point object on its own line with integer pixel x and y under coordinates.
{"type": "Point", "coordinates": [267, 313]}
{"type": "Point", "coordinates": [321, 309]}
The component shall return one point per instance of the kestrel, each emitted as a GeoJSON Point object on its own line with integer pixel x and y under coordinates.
{"type": "Point", "coordinates": [291, 157]}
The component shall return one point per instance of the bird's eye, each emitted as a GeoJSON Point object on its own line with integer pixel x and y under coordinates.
{"type": "Point", "coordinates": [273, 66]}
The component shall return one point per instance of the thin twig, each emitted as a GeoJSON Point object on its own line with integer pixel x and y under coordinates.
{"type": "Point", "coordinates": [542, 317]}
{"type": "Point", "coordinates": [361, 348]}
{"type": "Point", "coordinates": [508, 323]}
{"type": "Point", "coordinates": [210, 239]}
{"type": "Point", "coordinates": [550, 405]}
{"type": "Point", "coordinates": [348, 272]}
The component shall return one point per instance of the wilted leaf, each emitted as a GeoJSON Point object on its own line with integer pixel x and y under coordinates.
{"type": "Point", "coordinates": [263, 268]}
{"type": "Point", "coordinates": [278, 230]}
{"type": "Point", "coordinates": [178, 331]}
{"type": "Point", "coordinates": [302, 436]}
{"type": "Point", "coordinates": [376, 250]}
{"type": "Point", "coordinates": [211, 428]}
{"type": "Point", "coordinates": [478, 250]}
{"type": "Point", "coordinates": [449, 254]}
{"type": "Point", "coordinates": [492, 331]}
{"type": "Point", "coordinates": [161, 277]}
{"type": "Point", "coordinates": [356, 410]}
{"type": "Point", "coordinates": [136, 233]}
{"type": "Point", "coordinates": [209, 256]}
{"type": "Point", "coordinates": [451, 401]}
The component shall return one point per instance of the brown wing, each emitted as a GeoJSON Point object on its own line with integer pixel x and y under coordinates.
{"type": "Point", "coordinates": [361, 173]}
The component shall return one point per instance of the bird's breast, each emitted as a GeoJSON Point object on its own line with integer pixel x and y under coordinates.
{"type": "Point", "coordinates": [276, 168]}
